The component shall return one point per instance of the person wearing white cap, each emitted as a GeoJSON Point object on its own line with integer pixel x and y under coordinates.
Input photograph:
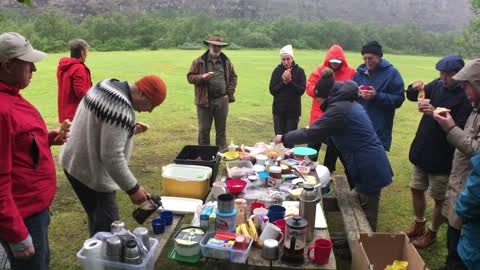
{"type": "Point", "coordinates": [27, 169]}
{"type": "Point", "coordinates": [342, 71]}
{"type": "Point", "coordinates": [287, 86]}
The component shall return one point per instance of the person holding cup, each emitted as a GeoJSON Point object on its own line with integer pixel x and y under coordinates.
{"type": "Point", "coordinates": [430, 152]}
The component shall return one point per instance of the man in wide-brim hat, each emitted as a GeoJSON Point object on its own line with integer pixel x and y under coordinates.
{"type": "Point", "coordinates": [214, 81]}
{"type": "Point", "coordinates": [216, 41]}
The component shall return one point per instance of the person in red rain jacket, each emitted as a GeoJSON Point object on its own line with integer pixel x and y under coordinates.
{"type": "Point", "coordinates": [334, 59]}
{"type": "Point", "coordinates": [27, 169]}
{"type": "Point", "coordinates": [73, 78]}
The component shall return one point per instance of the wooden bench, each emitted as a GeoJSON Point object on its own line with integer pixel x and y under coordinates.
{"type": "Point", "coordinates": [353, 216]}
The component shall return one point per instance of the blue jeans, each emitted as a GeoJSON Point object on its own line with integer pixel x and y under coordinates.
{"type": "Point", "coordinates": [37, 226]}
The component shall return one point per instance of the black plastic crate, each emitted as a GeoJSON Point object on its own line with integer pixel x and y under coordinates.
{"type": "Point", "coordinates": [203, 155]}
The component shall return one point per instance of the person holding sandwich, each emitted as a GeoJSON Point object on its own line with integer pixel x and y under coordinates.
{"type": "Point", "coordinates": [27, 169]}
{"type": "Point", "coordinates": [466, 141]}
{"type": "Point", "coordinates": [430, 152]}
{"type": "Point", "coordinates": [287, 86]}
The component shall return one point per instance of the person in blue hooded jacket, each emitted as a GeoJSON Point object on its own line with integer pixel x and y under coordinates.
{"type": "Point", "coordinates": [468, 208]}
{"type": "Point", "coordinates": [386, 93]}
{"type": "Point", "coordinates": [348, 126]}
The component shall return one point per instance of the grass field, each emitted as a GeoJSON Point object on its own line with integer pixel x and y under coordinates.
{"type": "Point", "coordinates": [174, 125]}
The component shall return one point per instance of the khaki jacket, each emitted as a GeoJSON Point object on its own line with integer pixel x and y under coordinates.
{"type": "Point", "coordinates": [198, 68]}
{"type": "Point", "coordinates": [466, 142]}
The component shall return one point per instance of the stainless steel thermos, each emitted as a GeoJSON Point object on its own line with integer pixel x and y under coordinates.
{"type": "Point", "coordinates": [308, 203]}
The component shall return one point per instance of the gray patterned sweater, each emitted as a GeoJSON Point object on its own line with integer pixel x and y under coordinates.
{"type": "Point", "coordinates": [100, 143]}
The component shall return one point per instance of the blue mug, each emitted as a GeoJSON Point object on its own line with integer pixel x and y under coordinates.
{"type": "Point", "coordinates": [276, 212]}
{"type": "Point", "coordinates": [158, 225]}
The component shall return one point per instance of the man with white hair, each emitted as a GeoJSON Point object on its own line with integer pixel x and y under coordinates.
{"type": "Point", "coordinates": [467, 144]}
{"type": "Point", "coordinates": [214, 81]}
{"type": "Point", "coordinates": [27, 169]}
{"type": "Point", "coordinates": [287, 86]}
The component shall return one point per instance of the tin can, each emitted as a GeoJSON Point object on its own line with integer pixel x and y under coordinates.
{"type": "Point", "coordinates": [142, 234]}
{"type": "Point", "coordinates": [117, 226]}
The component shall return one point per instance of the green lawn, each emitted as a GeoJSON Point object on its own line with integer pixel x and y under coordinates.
{"type": "Point", "coordinates": [174, 124]}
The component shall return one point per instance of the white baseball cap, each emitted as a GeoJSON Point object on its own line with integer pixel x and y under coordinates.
{"type": "Point", "coordinates": [14, 45]}
{"type": "Point", "coordinates": [335, 60]}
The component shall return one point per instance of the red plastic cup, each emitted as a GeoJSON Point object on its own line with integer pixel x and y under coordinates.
{"type": "Point", "coordinates": [256, 205]}
{"type": "Point", "coordinates": [322, 249]}
{"type": "Point", "coordinates": [280, 224]}
{"type": "Point", "coordinates": [365, 87]}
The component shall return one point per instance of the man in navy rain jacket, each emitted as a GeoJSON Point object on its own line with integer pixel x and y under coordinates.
{"type": "Point", "coordinates": [348, 126]}
{"type": "Point", "coordinates": [387, 93]}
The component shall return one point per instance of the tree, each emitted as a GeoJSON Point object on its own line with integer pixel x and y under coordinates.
{"type": "Point", "coordinates": [26, 2]}
{"type": "Point", "coordinates": [470, 39]}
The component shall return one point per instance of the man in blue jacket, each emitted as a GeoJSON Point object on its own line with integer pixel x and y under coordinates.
{"type": "Point", "coordinates": [430, 152]}
{"type": "Point", "coordinates": [385, 93]}
{"type": "Point", "coordinates": [347, 124]}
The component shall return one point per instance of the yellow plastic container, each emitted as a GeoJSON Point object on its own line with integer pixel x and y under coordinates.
{"type": "Point", "coordinates": [190, 181]}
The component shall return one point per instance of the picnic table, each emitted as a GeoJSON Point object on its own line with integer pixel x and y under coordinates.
{"type": "Point", "coordinates": [353, 218]}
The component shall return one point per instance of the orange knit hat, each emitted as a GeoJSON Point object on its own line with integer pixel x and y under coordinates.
{"type": "Point", "coordinates": [153, 87]}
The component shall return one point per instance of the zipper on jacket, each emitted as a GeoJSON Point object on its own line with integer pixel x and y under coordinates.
{"type": "Point", "coordinates": [35, 152]}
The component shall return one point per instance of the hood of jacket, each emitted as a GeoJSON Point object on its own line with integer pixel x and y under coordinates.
{"type": "Point", "coordinates": [383, 64]}
{"type": "Point", "coordinates": [335, 52]}
{"type": "Point", "coordinates": [66, 62]}
{"type": "Point", "coordinates": [347, 91]}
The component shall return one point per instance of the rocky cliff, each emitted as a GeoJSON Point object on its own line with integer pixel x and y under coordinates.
{"type": "Point", "coordinates": [434, 15]}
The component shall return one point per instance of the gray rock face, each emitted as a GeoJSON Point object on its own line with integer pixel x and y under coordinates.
{"type": "Point", "coordinates": [434, 15]}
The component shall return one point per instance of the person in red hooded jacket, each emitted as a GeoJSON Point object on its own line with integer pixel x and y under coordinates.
{"type": "Point", "coordinates": [73, 78]}
{"type": "Point", "coordinates": [334, 59]}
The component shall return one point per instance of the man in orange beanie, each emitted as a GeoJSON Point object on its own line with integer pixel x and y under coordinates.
{"type": "Point", "coordinates": [95, 158]}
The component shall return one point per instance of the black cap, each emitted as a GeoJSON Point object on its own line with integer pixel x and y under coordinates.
{"type": "Point", "coordinates": [372, 47]}
{"type": "Point", "coordinates": [452, 62]}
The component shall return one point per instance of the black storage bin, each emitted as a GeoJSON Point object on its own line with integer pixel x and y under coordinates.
{"type": "Point", "coordinates": [203, 155]}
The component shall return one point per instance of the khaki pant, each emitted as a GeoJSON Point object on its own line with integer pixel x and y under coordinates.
{"type": "Point", "coordinates": [216, 111]}
{"type": "Point", "coordinates": [422, 180]}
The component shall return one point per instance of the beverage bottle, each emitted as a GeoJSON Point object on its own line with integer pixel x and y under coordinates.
{"type": "Point", "coordinates": [308, 202]}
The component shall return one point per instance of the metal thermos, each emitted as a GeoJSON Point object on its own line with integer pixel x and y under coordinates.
{"type": "Point", "coordinates": [142, 234]}
{"type": "Point", "coordinates": [132, 253]}
{"type": "Point", "coordinates": [114, 249]}
{"type": "Point", "coordinates": [308, 204]}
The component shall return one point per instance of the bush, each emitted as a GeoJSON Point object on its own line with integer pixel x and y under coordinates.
{"type": "Point", "coordinates": [190, 46]}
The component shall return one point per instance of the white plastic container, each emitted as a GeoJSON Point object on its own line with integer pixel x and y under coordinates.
{"type": "Point", "coordinates": [232, 254]}
{"type": "Point", "coordinates": [190, 181]}
{"type": "Point", "coordinates": [148, 262]}
{"type": "Point", "coordinates": [239, 168]}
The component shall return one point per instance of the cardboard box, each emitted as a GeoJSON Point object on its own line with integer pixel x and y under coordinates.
{"type": "Point", "coordinates": [377, 251]}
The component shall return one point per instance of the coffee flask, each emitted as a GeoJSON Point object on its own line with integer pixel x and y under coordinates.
{"type": "Point", "coordinates": [147, 208]}
{"type": "Point", "coordinates": [308, 203]}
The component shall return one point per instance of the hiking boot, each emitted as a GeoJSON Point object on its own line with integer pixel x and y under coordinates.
{"type": "Point", "coordinates": [417, 229]}
{"type": "Point", "coordinates": [425, 240]}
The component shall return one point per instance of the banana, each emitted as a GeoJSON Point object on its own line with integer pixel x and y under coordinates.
{"type": "Point", "coordinates": [252, 230]}
{"type": "Point", "coordinates": [244, 229]}
{"type": "Point", "coordinates": [238, 229]}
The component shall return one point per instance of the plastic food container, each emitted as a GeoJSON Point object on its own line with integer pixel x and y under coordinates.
{"type": "Point", "coordinates": [189, 181]}
{"type": "Point", "coordinates": [202, 155]}
{"type": "Point", "coordinates": [187, 241]}
{"type": "Point", "coordinates": [224, 249]}
{"type": "Point", "coordinates": [148, 261]}
{"type": "Point", "coordinates": [240, 168]}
